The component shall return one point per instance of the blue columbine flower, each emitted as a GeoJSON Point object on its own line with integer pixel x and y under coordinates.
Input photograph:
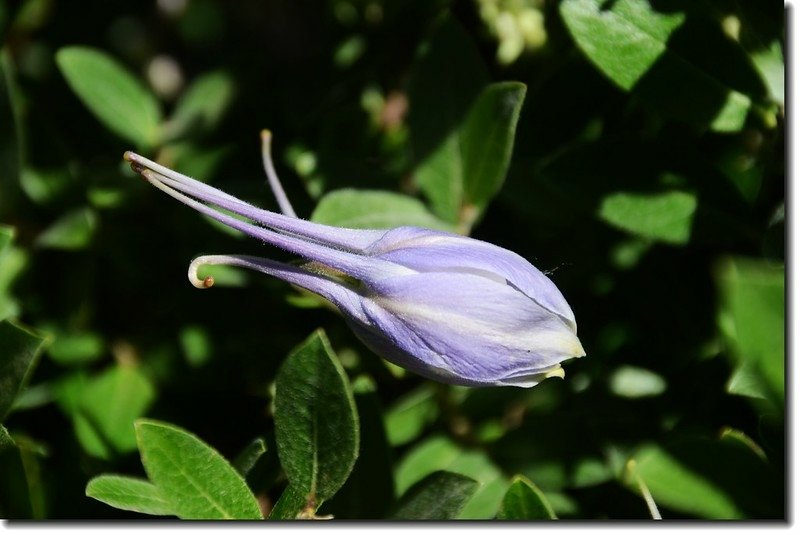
{"type": "Point", "coordinates": [448, 307]}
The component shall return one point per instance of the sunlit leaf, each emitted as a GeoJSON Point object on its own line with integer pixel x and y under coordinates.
{"type": "Point", "coordinates": [663, 216]}
{"type": "Point", "coordinates": [117, 98]}
{"type": "Point", "coordinates": [753, 303]}
{"type": "Point", "coordinates": [196, 481]}
{"type": "Point", "coordinates": [351, 208]}
{"type": "Point", "coordinates": [128, 493]}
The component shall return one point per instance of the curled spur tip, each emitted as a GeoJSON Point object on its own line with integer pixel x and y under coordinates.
{"type": "Point", "coordinates": [197, 281]}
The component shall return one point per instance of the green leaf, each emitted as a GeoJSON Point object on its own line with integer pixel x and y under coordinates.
{"type": "Point", "coordinates": [408, 417]}
{"type": "Point", "coordinates": [45, 185]}
{"type": "Point", "coordinates": [290, 506]}
{"type": "Point", "coordinates": [12, 136]}
{"type": "Point", "coordinates": [111, 93]}
{"type": "Point", "coordinates": [770, 64]}
{"type": "Point", "coordinates": [196, 345]}
{"type": "Point", "coordinates": [440, 496]}
{"type": "Point", "coordinates": [5, 439]}
{"type": "Point", "coordinates": [13, 261]}
{"type": "Point", "coordinates": [112, 401]}
{"type": "Point", "coordinates": [6, 236]}
{"type": "Point", "coordinates": [247, 459]}
{"type": "Point", "coordinates": [202, 106]}
{"type": "Point", "coordinates": [487, 139]}
{"type": "Point", "coordinates": [19, 351]}
{"type": "Point", "coordinates": [72, 231]}
{"type": "Point", "coordinates": [447, 79]}
{"type": "Point", "coordinates": [624, 38]}
{"type": "Point", "coordinates": [753, 305]}
{"type": "Point", "coordinates": [658, 52]}
{"type": "Point", "coordinates": [70, 349]}
{"type": "Point", "coordinates": [704, 478]}
{"type": "Point", "coordinates": [525, 501]}
{"type": "Point", "coordinates": [467, 169]}
{"type": "Point", "coordinates": [316, 424]}
{"type": "Point", "coordinates": [635, 382]}
{"type": "Point", "coordinates": [352, 208]}
{"type": "Point", "coordinates": [665, 216]}
{"type": "Point", "coordinates": [369, 490]}
{"type": "Point", "coordinates": [128, 493]}
{"type": "Point", "coordinates": [197, 482]}
{"type": "Point", "coordinates": [440, 453]}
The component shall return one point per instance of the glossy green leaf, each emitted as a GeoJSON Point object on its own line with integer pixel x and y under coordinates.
{"type": "Point", "coordinates": [111, 402]}
{"type": "Point", "coordinates": [19, 351]}
{"type": "Point", "coordinates": [72, 231]}
{"type": "Point", "coordinates": [665, 217]}
{"type": "Point", "coordinates": [408, 417]}
{"type": "Point", "coordinates": [316, 424]}
{"type": "Point", "coordinates": [704, 478]}
{"type": "Point", "coordinates": [128, 493]}
{"type": "Point", "coordinates": [202, 105]}
{"type": "Point", "coordinates": [116, 97]}
{"type": "Point", "coordinates": [753, 310]}
{"type": "Point", "coordinates": [636, 44]}
{"type": "Point", "coordinates": [440, 496]}
{"type": "Point", "coordinates": [197, 482]}
{"type": "Point", "coordinates": [525, 501]}
{"type": "Point", "coordinates": [487, 139]}
{"type": "Point", "coordinates": [353, 208]}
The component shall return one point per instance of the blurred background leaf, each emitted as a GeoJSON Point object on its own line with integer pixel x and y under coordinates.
{"type": "Point", "coordinates": [111, 93]}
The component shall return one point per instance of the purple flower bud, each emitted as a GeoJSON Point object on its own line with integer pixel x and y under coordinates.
{"type": "Point", "coordinates": [448, 307]}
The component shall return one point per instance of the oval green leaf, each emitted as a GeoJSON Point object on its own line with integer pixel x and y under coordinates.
{"type": "Point", "coordinates": [316, 424]}
{"type": "Point", "coordinates": [116, 97]}
{"type": "Point", "coordinates": [194, 478]}
{"type": "Point", "coordinates": [129, 493]}
{"type": "Point", "coordinates": [487, 139]}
